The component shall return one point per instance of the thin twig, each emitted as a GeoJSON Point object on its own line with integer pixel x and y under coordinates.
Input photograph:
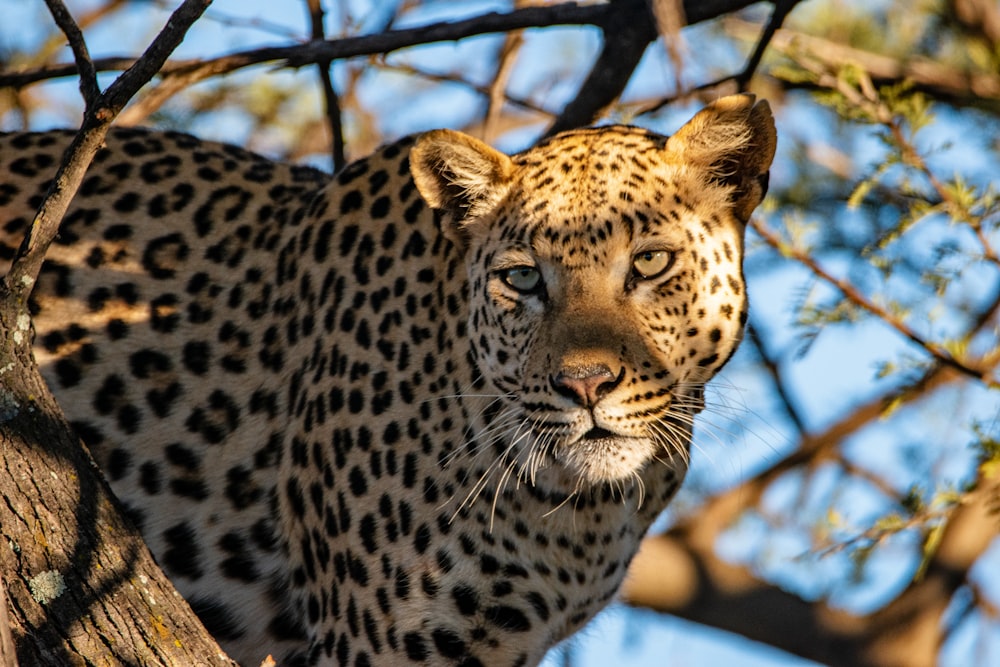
{"type": "Point", "coordinates": [330, 97]}
{"type": "Point", "coordinates": [84, 65]}
{"type": "Point", "coordinates": [28, 259]}
{"type": "Point", "coordinates": [777, 378]}
{"type": "Point", "coordinates": [942, 81]}
{"type": "Point", "coordinates": [299, 55]}
{"type": "Point", "coordinates": [497, 90]}
{"type": "Point", "coordinates": [741, 79]}
{"type": "Point", "coordinates": [958, 211]}
{"type": "Point", "coordinates": [781, 10]}
{"type": "Point", "coordinates": [181, 74]}
{"type": "Point", "coordinates": [440, 77]}
{"type": "Point", "coordinates": [854, 295]}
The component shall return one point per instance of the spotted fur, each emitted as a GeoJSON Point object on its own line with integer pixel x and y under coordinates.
{"type": "Point", "coordinates": [357, 431]}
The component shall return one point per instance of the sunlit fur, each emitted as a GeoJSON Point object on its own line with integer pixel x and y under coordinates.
{"type": "Point", "coordinates": [346, 433]}
{"type": "Point", "coordinates": [625, 191]}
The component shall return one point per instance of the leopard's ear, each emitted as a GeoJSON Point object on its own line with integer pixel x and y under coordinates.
{"type": "Point", "coordinates": [459, 175]}
{"type": "Point", "coordinates": [732, 140]}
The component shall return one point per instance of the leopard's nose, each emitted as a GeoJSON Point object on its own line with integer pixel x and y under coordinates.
{"type": "Point", "coordinates": [586, 384]}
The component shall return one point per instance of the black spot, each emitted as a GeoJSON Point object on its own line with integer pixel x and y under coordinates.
{"type": "Point", "coordinates": [321, 247]}
{"type": "Point", "coordinates": [149, 478]}
{"type": "Point", "coordinates": [239, 564]}
{"type": "Point", "coordinates": [164, 254]}
{"type": "Point", "coordinates": [488, 564]}
{"type": "Point", "coordinates": [127, 292]}
{"type": "Point", "coordinates": [294, 494]}
{"type": "Point", "coordinates": [284, 626]}
{"type": "Point", "coordinates": [189, 488]}
{"type": "Point", "coordinates": [224, 204]}
{"type": "Point", "coordinates": [183, 553]}
{"type": "Point", "coordinates": [146, 362]}
{"type": "Point", "coordinates": [348, 236]}
{"type": "Point", "coordinates": [402, 584]}
{"type": "Point", "coordinates": [117, 329]}
{"type": "Point", "coordinates": [217, 618]}
{"type": "Point", "coordinates": [68, 372]}
{"type": "Point", "coordinates": [118, 462]}
{"type": "Point", "coordinates": [197, 356]}
{"type": "Point", "coordinates": [709, 360]}
{"type": "Point", "coordinates": [97, 298]}
{"type": "Point", "coordinates": [127, 203]}
{"type": "Point", "coordinates": [351, 201]}
{"type": "Point", "coordinates": [410, 470]}
{"type": "Point", "coordinates": [182, 456]}
{"type": "Point", "coordinates": [429, 585]}
{"type": "Point", "coordinates": [359, 484]}
{"type": "Point", "coordinates": [129, 418]}
{"type": "Point", "coordinates": [352, 172]}
{"type": "Point", "coordinates": [466, 599]}
{"type": "Point", "coordinates": [416, 648]}
{"type": "Point", "coordinates": [164, 317]}
{"type": "Point", "coordinates": [367, 530]}
{"type": "Point", "coordinates": [107, 397]}
{"type": "Point", "coordinates": [356, 568]}
{"type": "Point", "coordinates": [448, 643]}
{"type": "Point", "coordinates": [161, 401]}
{"type": "Point", "coordinates": [422, 538]}
{"type": "Point", "coordinates": [502, 588]}
{"type": "Point", "coordinates": [508, 618]}
{"type": "Point", "coordinates": [538, 603]}
{"type": "Point", "coordinates": [380, 208]}
{"type": "Point", "coordinates": [118, 233]}
{"type": "Point", "coordinates": [160, 168]}
{"type": "Point", "coordinates": [240, 487]}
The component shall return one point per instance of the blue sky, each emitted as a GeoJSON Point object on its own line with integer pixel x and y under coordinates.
{"type": "Point", "coordinates": [836, 373]}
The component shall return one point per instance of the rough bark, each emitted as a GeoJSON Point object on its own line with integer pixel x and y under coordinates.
{"type": "Point", "coordinates": [82, 587]}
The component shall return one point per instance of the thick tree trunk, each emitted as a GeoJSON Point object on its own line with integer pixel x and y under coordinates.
{"type": "Point", "coordinates": [81, 587]}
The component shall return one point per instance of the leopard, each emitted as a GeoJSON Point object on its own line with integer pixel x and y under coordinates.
{"type": "Point", "coordinates": [421, 411]}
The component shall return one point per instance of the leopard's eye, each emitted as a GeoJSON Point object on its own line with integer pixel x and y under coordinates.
{"type": "Point", "coordinates": [525, 279]}
{"type": "Point", "coordinates": [652, 263]}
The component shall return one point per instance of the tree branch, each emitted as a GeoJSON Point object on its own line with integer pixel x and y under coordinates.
{"type": "Point", "coordinates": [28, 260]}
{"type": "Point", "coordinates": [70, 549]}
{"type": "Point", "coordinates": [940, 80]}
{"type": "Point", "coordinates": [981, 371]}
{"type": "Point", "coordinates": [705, 589]}
{"type": "Point", "coordinates": [625, 41]}
{"type": "Point", "coordinates": [633, 15]}
{"type": "Point", "coordinates": [741, 80]}
{"type": "Point", "coordinates": [330, 98]}
{"type": "Point", "coordinates": [8, 652]}
{"type": "Point", "coordinates": [781, 10]}
{"type": "Point", "coordinates": [88, 75]}
{"type": "Point", "coordinates": [772, 368]}
{"type": "Point", "coordinates": [496, 94]}
{"type": "Point", "coordinates": [907, 632]}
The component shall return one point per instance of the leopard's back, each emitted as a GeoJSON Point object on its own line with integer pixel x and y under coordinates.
{"type": "Point", "coordinates": [149, 317]}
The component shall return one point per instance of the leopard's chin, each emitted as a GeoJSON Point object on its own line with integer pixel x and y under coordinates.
{"type": "Point", "coordinates": [601, 457]}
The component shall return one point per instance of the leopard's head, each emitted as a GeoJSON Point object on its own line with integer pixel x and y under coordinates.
{"type": "Point", "coordinates": [605, 271]}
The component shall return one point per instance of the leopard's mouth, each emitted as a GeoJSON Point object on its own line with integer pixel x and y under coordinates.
{"type": "Point", "coordinates": [597, 433]}
{"type": "Point", "coordinates": [600, 455]}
